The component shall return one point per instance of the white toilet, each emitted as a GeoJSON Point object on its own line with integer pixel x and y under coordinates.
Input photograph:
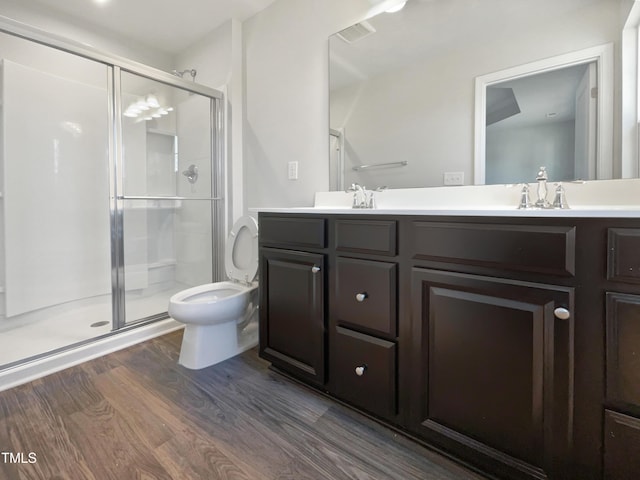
{"type": "Point", "coordinates": [218, 316]}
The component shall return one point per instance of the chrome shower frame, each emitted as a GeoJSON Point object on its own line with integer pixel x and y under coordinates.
{"type": "Point", "coordinates": [116, 65]}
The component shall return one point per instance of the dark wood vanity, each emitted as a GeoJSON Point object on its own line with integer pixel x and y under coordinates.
{"type": "Point", "coordinates": [510, 343]}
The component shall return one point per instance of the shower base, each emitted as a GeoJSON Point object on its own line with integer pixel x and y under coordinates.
{"type": "Point", "coordinates": [49, 329]}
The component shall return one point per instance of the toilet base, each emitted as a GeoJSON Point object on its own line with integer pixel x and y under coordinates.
{"type": "Point", "coordinates": [206, 345]}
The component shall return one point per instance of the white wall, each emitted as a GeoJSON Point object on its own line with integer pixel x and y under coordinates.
{"type": "Point", "coordinates": [515, 150]}
{"type": "Point", "coordinates": [286, 118]}
{"type": "Point", "coordinates": [218, 60]}
{"type": "Point", "coordinates": [210, 56]}
{"type": "Point", "coordinates": [287, 84]}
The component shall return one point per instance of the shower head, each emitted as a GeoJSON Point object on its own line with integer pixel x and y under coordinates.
{"type": "Point", "coordinates": [190, 71]}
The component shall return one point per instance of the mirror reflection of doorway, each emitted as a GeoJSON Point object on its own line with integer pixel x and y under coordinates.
{"type": "Point", "coordinates": [543, 119]}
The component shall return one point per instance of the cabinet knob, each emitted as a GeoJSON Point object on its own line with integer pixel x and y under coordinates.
{"type": "Point", "coordinates": [562, 313]}
{"type": "Point", "coordinates": [360, 370]}
{"type": "Point", "coordinates": [315, 269]}
{"type": "Point", "coordinates": [361, 296]}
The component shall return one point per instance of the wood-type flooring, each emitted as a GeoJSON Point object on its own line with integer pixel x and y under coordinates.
{"type": "Point", "coordinates": [137, 414]}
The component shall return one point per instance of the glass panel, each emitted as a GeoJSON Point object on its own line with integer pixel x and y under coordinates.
{"type": "Point", "coordinates": [166, 140]}
{"type": "Point", "coordinates": [55, 206]}
{"type": "Point", "coordinates": [166, 153]}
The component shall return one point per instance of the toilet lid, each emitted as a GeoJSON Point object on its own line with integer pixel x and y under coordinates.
{"type": "Point", "coordinates": [241, 255]}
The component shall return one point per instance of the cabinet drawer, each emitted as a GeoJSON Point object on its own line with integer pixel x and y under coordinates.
{"type": "Point", "coordinates": [366, 236]}
{"type": "Point", "coordinates": [529, 248]}
{"type": "Point", "coordinates": [295, 232]}
{"type": "Point", "coordinates": [365, 295]}
{"type": "Point", "coordinates": [623, 263]}
{"type": "Point", "coordinates": [621, 446]}
{"type": "Point", "coordinates": [363, 371]}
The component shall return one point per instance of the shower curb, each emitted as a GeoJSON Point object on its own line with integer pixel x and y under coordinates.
{"type": "Point", "coordinates": [12, 377]}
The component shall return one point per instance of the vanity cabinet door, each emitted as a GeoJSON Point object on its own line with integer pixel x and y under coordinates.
{"type": "Point", "coordinates": [621, 446]}
{"type": "Point", "coordinates": [491, 371]}
{"type": "Point", "coordinates": [623, 351]}
{"type": "Point", "coordinates": [292, 312]}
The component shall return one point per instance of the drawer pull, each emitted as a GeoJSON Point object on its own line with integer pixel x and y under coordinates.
{"type": "Point", "coordinates": [360, 370]}
{"type": "Point", "coordinates": [361, 296]}
{"type": "Point", "coordinates": [315, 269]}
{"type": "Point", "coordinates": [562, 313]}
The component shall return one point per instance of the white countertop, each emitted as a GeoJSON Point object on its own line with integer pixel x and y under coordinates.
{"type": "Point", "coordinates": [621, 211]}
{"type": "Point", "coordinates": [595, 199]}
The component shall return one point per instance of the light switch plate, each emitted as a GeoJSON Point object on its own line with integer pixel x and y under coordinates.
{"type": "Point", "coordinates": [292, 170]}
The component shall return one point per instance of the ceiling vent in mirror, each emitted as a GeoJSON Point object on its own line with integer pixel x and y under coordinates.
{"type": "Point", "coordinates": [356, 32]}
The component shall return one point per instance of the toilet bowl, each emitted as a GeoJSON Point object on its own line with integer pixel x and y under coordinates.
{"type": "Point", "coordinates": [218, 316]}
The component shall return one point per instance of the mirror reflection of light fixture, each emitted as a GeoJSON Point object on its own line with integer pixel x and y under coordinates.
{"type": "Point", "coordinates": [388, 6]}
{"type": "Point", "coordinates": [152, 101]}
{"type": "Point", "coordinates": [146, 108]}
{"type": "Point", "coordinates": [396, 8]}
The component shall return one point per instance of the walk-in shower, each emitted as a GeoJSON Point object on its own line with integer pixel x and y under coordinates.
{"type": "Point", "coordinates": [98, 226]}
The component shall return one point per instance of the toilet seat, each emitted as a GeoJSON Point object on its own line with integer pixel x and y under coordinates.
{"type": "Point", "coordinates": [241, 255]}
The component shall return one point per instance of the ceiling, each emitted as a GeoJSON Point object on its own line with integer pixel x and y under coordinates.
{"type": "Point", "coordinates": [166, 25]}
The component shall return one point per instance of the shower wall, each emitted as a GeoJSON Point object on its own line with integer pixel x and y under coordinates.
{"type": "Point", "coordinates": [193, 239]}
{"type": "Point", "coordinates": [55, 189]}
{"type": "Point", "coordinates": [135, 221]}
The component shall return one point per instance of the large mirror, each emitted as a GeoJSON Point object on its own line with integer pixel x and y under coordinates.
{"type": "Point", "coordinates": [448, 92]}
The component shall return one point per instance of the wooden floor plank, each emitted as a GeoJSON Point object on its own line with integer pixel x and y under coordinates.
{"type": "Point", "coordinates": [127, 454]}
{"type": "Point", "coordinates": [168, 432]}
{"type": "Point", "coordinates": [34, 427]}
{"type": "Point", "coordinates": [137, 414]}
{"type": "Point", "coordinates": [241, 437]}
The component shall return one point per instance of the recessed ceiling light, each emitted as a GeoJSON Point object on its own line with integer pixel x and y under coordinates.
{"type": "Point", "coordinates": [101, 2]}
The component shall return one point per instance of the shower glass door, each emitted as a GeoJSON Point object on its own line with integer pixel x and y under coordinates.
{"type": "Point", "coordinates": [168, 186]}
{"type": "Point", "coordinates": [55, 252]}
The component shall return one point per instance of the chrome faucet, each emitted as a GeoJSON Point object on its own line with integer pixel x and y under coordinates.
{"type": "Point", "coordinates": [359, 196]}
{"type": "Point", "coordinates": [542, 178]}
{"type": "Point", "coordinates": [560, 200]}
{"type": "Point", "coordinates": [363, 198]}
{"type": "Point", "coordinates": [525, 200]}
